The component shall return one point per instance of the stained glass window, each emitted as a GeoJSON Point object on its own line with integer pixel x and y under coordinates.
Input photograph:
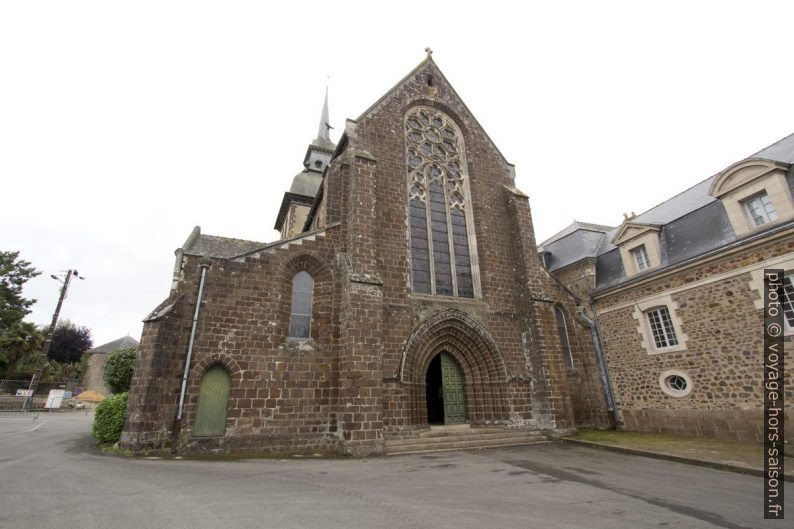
{"type": "Point", "coordinates": [439, 213]}
{"type": "Point", "coordinates": [301, 312]}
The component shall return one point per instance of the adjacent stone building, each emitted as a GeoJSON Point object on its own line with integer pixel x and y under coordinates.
{"type": "Point", "coordinates": [406, 291]}
{"type": "Point", "coordinates": [94, 377]}
{"type": "Point", "coordinates": [676, 292]}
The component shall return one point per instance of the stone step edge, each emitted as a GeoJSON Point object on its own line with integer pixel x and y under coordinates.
{"type": "Point", "coordinates": [460, 438]}
{"type": "Point", "coordinates": [454, 444]}
{"type": "Point", "coordinates": [464, 431]}
{"type": "Point", "coordinates": [429, 450]}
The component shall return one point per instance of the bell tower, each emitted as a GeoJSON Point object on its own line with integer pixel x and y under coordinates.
{"type": "Point", "coordinates": [298, 200]}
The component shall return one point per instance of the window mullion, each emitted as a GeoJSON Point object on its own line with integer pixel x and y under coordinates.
{"type": "Point", "coordinates": [452, 265]}
{"type": "Point", "coordinates": [430, 243]}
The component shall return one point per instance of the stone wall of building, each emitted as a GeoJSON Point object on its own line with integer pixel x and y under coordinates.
{"type": "Point", "coordinates": [361, 378]}
{"type": "Point", "coordinates": [94, 377]}
{"type": "Point", "coordinates": [517, 292]}
{"type": "Point", "coordinates": [722, 322]}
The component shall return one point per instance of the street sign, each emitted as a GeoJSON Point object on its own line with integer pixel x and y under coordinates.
{"type": "Point", "coordinates": [55, 398]}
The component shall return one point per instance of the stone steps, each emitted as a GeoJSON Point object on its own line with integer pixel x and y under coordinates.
{"type": "Point", "coordinates": [447, 438]}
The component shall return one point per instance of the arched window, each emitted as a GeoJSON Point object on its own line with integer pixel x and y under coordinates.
{"type": "Point", "coordinates": [212, 403]}
{"type": "Point", "coordinates": [443, 249]}
{"type": "Point", "coordinates": [300, 320]}
{"type": "Point", "coordinates": [562, 330]}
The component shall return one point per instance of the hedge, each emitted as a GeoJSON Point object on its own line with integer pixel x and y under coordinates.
{"type": "Point", "coordinates": [119, 368]}
{"type": "Point", "coordinates": [109, 418]}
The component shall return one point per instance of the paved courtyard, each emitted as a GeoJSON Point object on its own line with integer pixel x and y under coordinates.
{"type": "Point", "coordinates": [51, 477]}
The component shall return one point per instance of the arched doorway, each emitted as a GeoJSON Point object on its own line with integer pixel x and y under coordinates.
{"type": "Point", "coordinates": [446, 402]}
{"type": "Point", "coordinates": [475, 357]}
{"type": "Point", "coordinates": [213, 401]}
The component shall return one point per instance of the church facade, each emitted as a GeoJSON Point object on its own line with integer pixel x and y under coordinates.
{"type": "Point", "coordinates": [406, 291]}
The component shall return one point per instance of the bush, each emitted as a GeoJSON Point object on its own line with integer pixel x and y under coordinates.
{"type": "Point", "coordinates": [109, 418]}
{"type": "Point", "coordinates": [118, 369]}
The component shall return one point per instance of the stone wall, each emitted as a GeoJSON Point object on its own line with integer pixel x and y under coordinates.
{"type": "Point", "coordinates": [719, 315]}
{"type": "Point", "coordinates": [361, 377]}
{"type": "Point", "coordinates": [94, 378]}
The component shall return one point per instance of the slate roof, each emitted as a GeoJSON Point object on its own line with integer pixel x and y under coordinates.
{"type": "Point", "coordinates": [218, 247]}
{"type": "Point", "coordinates": [780, 151]}
{"type": "Point", "coordinates": [578, 241]}
{"type": "Point", "coordinates": [115, 345]}
{"type": "Point", "coordinates": [306, 183]}
{"type": "Point", "coordinates": [692, 223]}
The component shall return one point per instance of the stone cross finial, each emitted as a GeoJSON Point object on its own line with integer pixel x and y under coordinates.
{"type": "Point", "coordinates": [429, 52]}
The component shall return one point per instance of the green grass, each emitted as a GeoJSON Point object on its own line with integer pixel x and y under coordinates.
{"type": "Point", "coordinates": [705, 448]}
{"type": "Point", "coordinates": [113, 450]}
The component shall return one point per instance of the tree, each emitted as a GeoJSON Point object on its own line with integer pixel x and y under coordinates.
{"type": "Point", "coordinates": [118, 369]}
{"type": "Point", "coordinates": [14, 273]}
{"type": "Point", "coordinates": [19, 345]}
{"type": "Point", "coordinates": [69, 342]}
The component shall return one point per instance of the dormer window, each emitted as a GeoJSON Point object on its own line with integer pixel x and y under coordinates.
{"type": "Point", "coordinates": [639, 246]}
{"type": "Point", "coordinates": [760, 210]}
{"type": "Point", "coordinates": [640, 255]}
{"type": "Point", "coordinates": [755, 193]}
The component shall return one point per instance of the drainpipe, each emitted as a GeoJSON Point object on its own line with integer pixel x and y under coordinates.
{"type": "Point", "coordinates": [602, 368]}
{"type": "Point", "coordinates": [190, 344]}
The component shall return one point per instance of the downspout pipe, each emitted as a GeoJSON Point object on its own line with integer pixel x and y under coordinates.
{"type": "Point", "coordinates": [190, 343]}
{"type": "Point", "coordinates": [602, 367]}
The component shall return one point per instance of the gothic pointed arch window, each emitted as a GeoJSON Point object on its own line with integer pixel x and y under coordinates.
{"type": "Point", "coordinates": [443, 247]}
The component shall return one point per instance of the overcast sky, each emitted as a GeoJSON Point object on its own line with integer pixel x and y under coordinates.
{"type": "Point", "coordinates": [123, 125]}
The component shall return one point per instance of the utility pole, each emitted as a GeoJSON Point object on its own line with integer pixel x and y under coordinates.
{"type": "Point", "coordinates": [45, 350]}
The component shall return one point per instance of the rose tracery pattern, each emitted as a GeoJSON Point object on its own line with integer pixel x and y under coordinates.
{"type": "Point", "coordinates": [440, 256]}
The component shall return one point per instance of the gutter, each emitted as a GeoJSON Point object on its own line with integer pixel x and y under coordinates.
{"type": "Point", "coordinates": [190, 343]}
{"type": "Point", "coordinates": [601, 361]}
{"type": "Point", "coordinates": [606, 384]}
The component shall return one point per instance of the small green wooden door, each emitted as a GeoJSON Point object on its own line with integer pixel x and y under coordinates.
{"type": "Point", "coordinates": [452, 380]}
{"type": "Point", "coordinates": [212, 403]}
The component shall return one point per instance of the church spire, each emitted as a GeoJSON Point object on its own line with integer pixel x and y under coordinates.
{"type": "Point", "coordinates": [324, 131]}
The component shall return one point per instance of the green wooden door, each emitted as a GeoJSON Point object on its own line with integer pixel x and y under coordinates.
{"type": "Point", "coordinates": [452, 380]}
{"type": "Point", "coordinates": [212, 403]}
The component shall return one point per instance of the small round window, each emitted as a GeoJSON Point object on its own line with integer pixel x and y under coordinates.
{"type": "Point", "coordinates": [675, 383]}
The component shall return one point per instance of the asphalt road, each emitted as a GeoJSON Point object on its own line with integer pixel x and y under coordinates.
{"type": "Point", "coordinates": [50, 477]}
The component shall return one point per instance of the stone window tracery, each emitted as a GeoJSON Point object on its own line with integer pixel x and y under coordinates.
{"type": "Point", "coordinates": [443, 250]}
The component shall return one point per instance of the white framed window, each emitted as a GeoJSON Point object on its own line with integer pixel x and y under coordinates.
{"type": "Point", "coordinates": [640, 255]}
{"type": "Point", "coordinates": [788, 300]}
{"type": "Point", "coordinates": [662, 328]}
{"type": "Point", "coordinates": [760, 210]}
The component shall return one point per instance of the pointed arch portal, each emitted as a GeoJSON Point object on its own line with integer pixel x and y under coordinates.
{"type": "Point", "coordinates": [475, 387]}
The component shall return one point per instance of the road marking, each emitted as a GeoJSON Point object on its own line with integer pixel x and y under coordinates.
{"type": "Point", "coordinates": [38, 426]}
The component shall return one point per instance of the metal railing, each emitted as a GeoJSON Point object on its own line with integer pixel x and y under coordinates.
{"type": "Point", "coordinates": [13, 394]}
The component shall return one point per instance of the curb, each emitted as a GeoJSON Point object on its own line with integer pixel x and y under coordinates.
{"type": "Point", "coordinates": [678, 459]}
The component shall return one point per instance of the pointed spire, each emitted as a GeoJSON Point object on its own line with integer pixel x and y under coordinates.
{"type": "Point", "coordinates": [324, 131]}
